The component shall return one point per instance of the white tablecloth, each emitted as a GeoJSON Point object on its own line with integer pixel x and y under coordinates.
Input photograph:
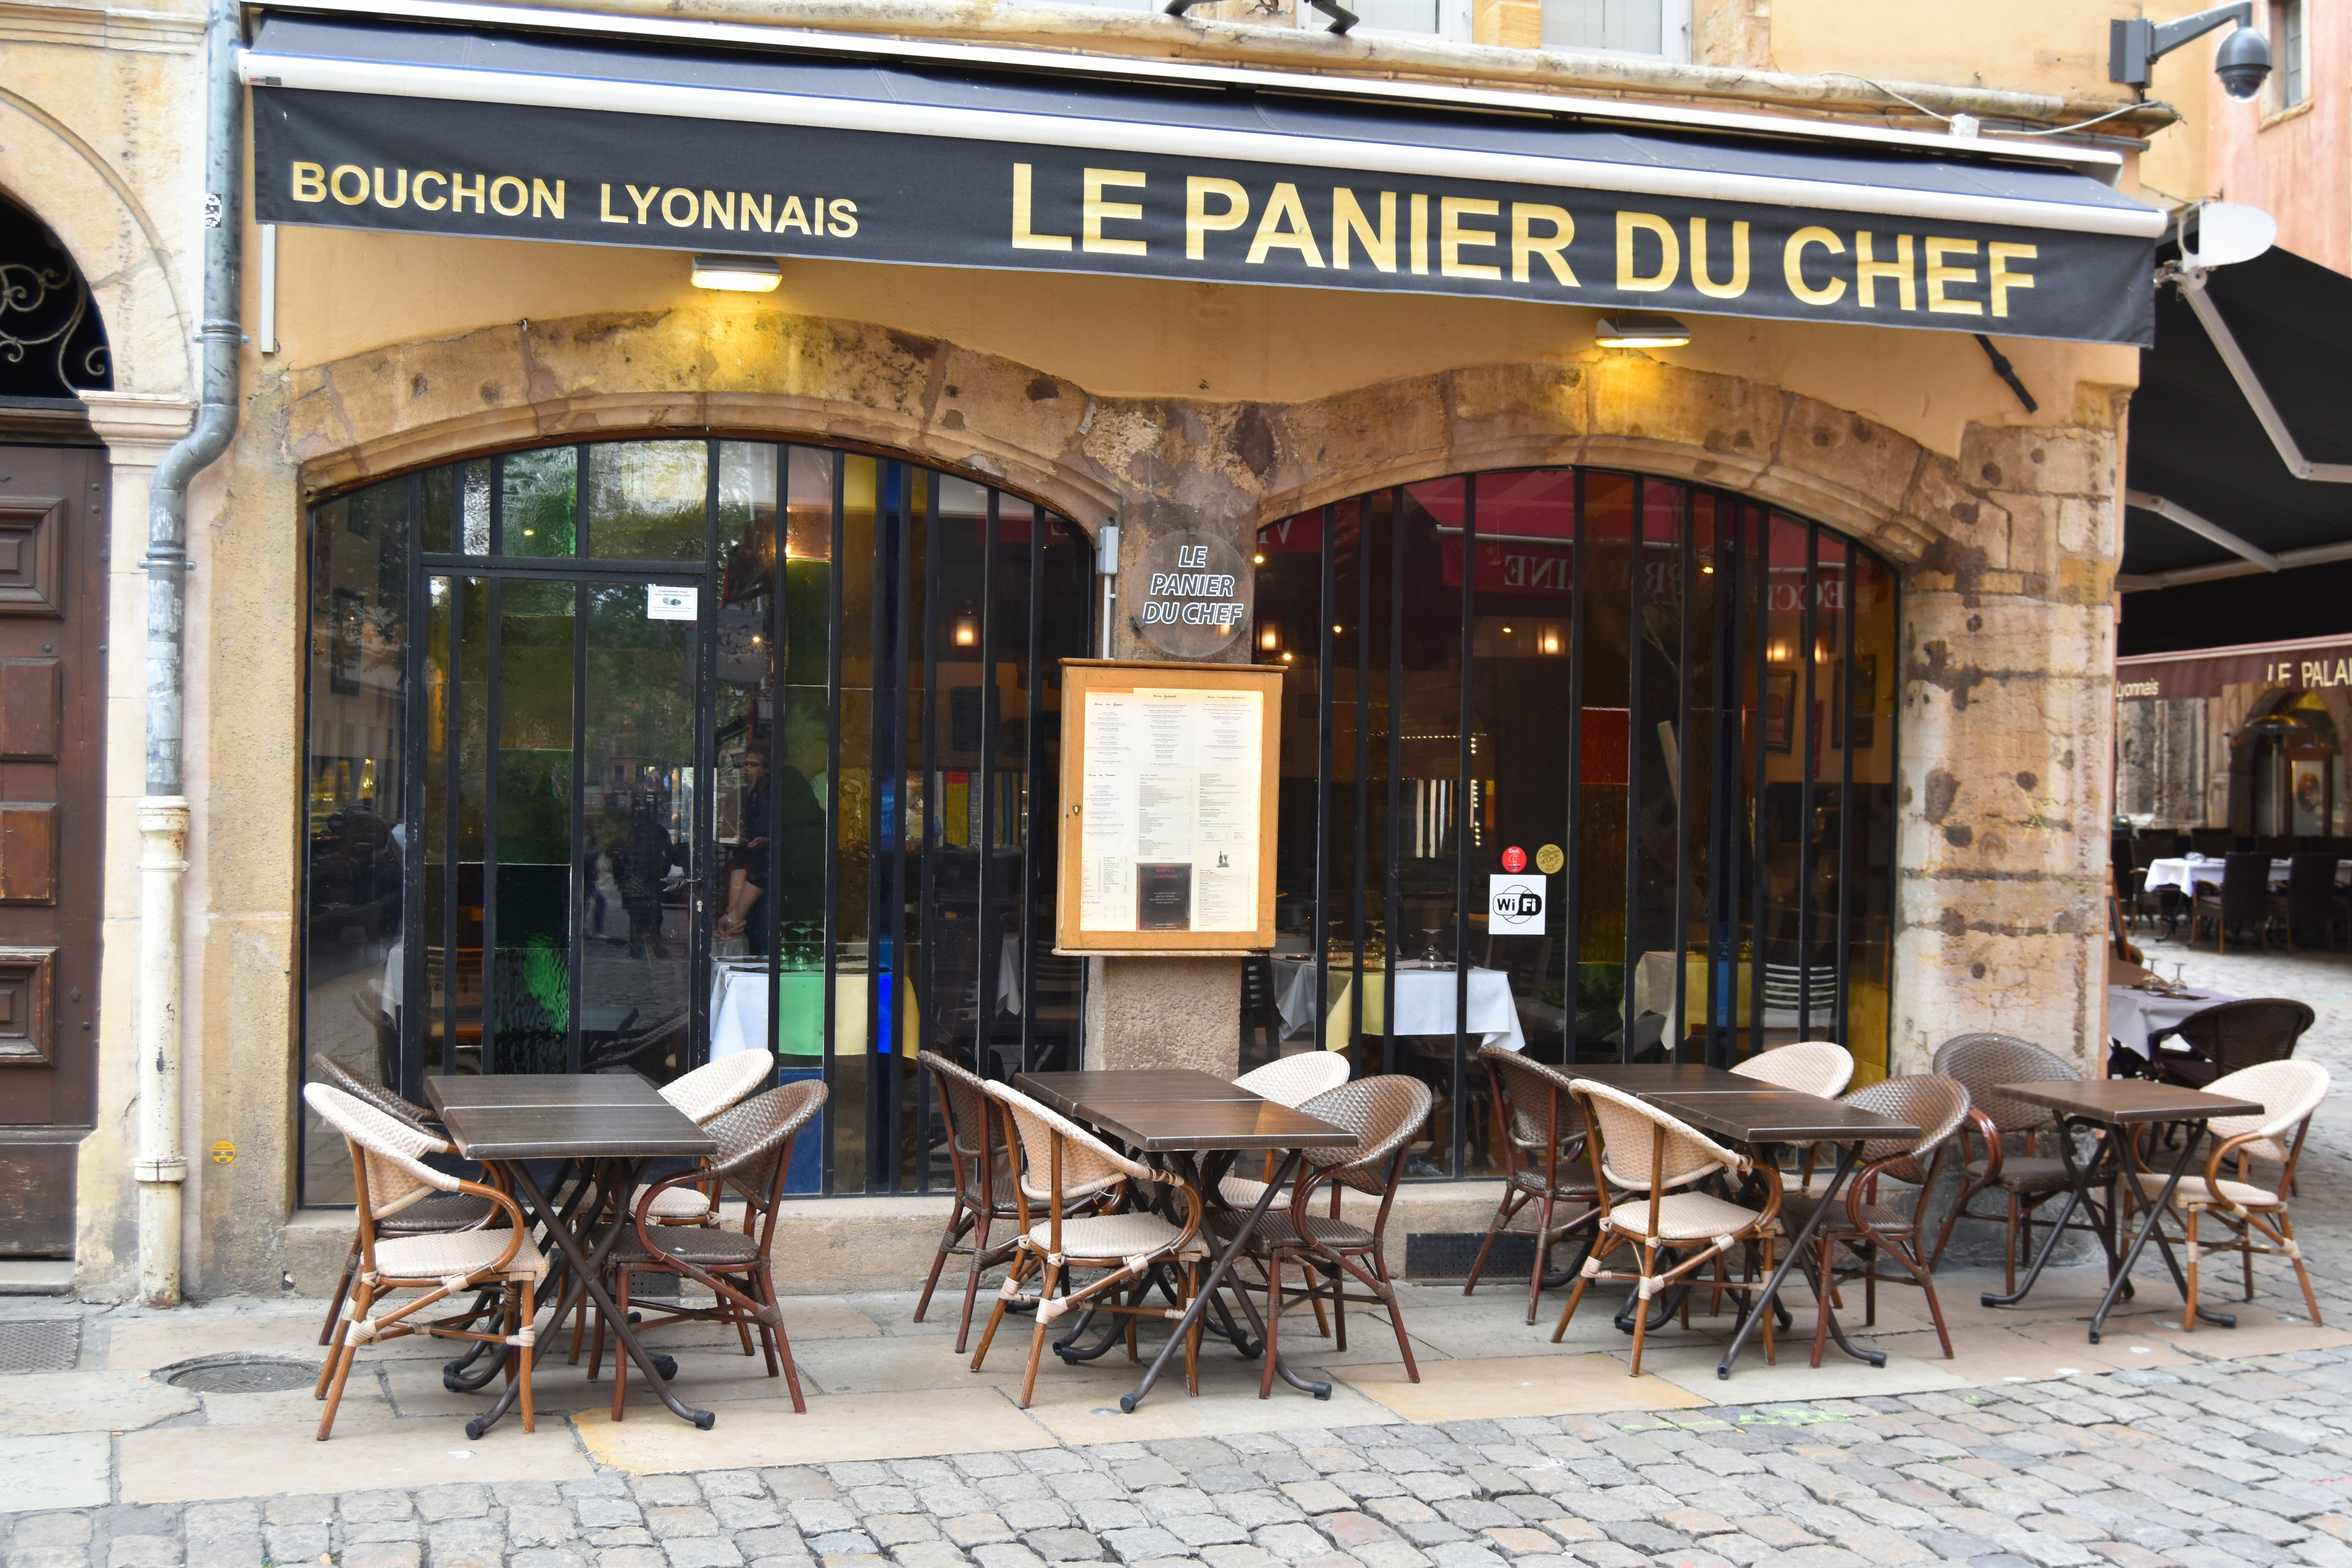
{"type": "Point", "coordinates": [1424, 1002]}
{"type": "Point", "coordinates": [2134, 1017]}
{"type": "Point", "coordinates": [2188, 874]}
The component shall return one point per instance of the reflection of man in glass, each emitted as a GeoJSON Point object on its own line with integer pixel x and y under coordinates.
{"type": "Point", "coordinates": [747, 864]}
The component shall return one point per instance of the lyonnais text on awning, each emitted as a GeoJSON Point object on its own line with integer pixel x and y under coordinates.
{"type": "Point", "coordinates": [407, 165]}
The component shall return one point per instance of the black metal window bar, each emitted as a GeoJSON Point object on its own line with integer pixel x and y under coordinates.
{"type": "Point", "coordinates": [1674, 705]}
{"type": "Point", "coordinates": [894, 627]}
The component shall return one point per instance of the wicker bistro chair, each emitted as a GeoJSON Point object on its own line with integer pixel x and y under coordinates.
{"type": "Point", "coordinates": [1540, 1129]}
{"type": "Point", "coordinates": [2254, 1216]}
{"type": "Point", "coordinates": [1862, 1222]}
{"type": "Point", "coordinates": [1808, 1067]}
{"type": "Point", "coordinates": [389, 1174]}
{"type": "Point", "coordinates": [1292, 1082]}
{"type": "Point", "coordinates": [1644, 1154]}
{"type": "Point", "coordinates": [2310, 899]}
{"type": "Point", "coordinates": [435, 1214]}
{"type": "Point", "coordinates": [1982, 1063]}
{"type": "Point", "coordinates": [1387, 1115]}
{"type": "Point", "coordinates": [755, 1151]}
{"type": "Point", "coordinates": [2230, 1036]}
{"type": "Point", "coordinates": [984, 1189]}
{"type": "Point", "coordinates": [701, 1095]}
{"type": "Point", "coordinates": [1065, 1161]}
{"type": "Point", "coordinates": [2243, 895]}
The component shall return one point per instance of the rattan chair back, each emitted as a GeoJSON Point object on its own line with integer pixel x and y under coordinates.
{"type": "Point", "coordinates": [390, 1152]}
{"type": "Point", "coordinates": [1538, 1102]}
{"type": "Point", "coordinates": [752, 1138]}
{"type": "Point", "coordinates": [1983, 1062]}
{"type": "Point", "coordinates": [1385, 1113]}
{"type": "Point", "coordinates": [1085, 1162]}
{"type": "Point", "coordinates": [1634, 1158]}
{"type": "Point", "coordinates": [1297, 1078]}
{"type": "Point", "coordinates": [2236, 1035]}
{"type": "Point", "coordinates": [1809, 1066]}
{"type": "Point", "coordinates": [1937, 1106]}
{"type": "Point", "coordinates": [719, 1085]}
{"type": "Point", "coordinates": [963, 1106]}
{"type": "Point", "coordinates": [2288, 1092]}
{"type": "Point", "coordinates": [335, 1074]}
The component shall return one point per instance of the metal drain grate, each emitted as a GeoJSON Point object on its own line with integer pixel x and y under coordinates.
{"type": "Point", "coordinates": [241, 1374]}
{"type": "Point", "coordinates": [1448, 1254]}
{"type": "Point", "coordinates": [40, 1344]}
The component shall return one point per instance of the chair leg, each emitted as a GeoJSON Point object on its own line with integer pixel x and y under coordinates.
{"type": "Point", "coordinates": [620, 1354]}
{"type": "Point", "coordinates": [1037, 1335]}
{"type": "Point", "coordinates": [2009, 1253]}
{"type": "Point", "coordinates": [1607, 1244]}
{"type": "Point", "coordinates": [2246, 1254]}
{"type": "Point", "coordinates": [1543, 1251]}
{"type": "Point", "coordinates": [972, 1279]}
{"type": "Point", "coordinates": [2294, 1256]}
{"type": "Point", "coordinates": [1019, 1264]}
{"type": "Point", "coordinates": [343, 1288]}
{"type": "Point", "coordinates": [335, 1347]}
{"type": "Point", "coordinates": [340, 1362]}
{"type": "Point", "coordinates": [764, 1288]}
{"type": "Point", "coordinates": [522, 1296]}
{"type": "Point", "coordinates": [1642, 1304]}
{"type": "Point", "coordinates": [1387, 1290]}
{"type": "Point", "coordinates": [595, 1339]}
{"type": "Point", "coordinates": [2191, 1252]}
{"type": "Point", "coordinates": [1512, 1201]}
{"type": "Point", "coordinates": [954, 1234]}
{"type": "Point", "coordinates": [1824, 1280]}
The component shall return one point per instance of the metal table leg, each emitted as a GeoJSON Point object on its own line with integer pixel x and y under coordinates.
{"type": "Point", "coordinates": [585, 1272]}
{"type": "Point", "coordinates": [2080, 1179]}
{"type": "Point", "coordinates": [1848, 1153]}
{"type": "Point", "coordinates": [2121, 1284]}
{"type": "Point", "coordinates": [1214, 1282]}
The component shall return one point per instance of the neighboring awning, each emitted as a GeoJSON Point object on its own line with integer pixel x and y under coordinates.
{"type": "Point", "coordinates": [530, 125]}
{"type": "Point", "coordinates": [2198, 445]}
{"type": "Point", "coordinates": [2312, 664]}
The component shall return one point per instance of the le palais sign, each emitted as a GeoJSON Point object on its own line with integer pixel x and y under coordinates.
{"type": "Point", "coordinates": [374, 128]}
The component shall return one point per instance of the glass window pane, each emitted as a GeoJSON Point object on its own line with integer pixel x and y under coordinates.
{"type": "Point", "coordinates": [1635, 26]}
{"type": "Point", "coordinates": [1602, 1019]}
{"type": "Point", "coordinates": [646, 500]}
{"type": "Point", "coordinates": [531, 1025]}
{"type": "Point", "coordinates": [538, 501]}
{"type": "Point", "coordinates": [354, 969]}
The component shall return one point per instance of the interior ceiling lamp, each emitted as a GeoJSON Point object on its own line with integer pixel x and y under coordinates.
{"type": "Point", "coordinates": [738, 274]}
{"type": "Point", "coordinates": [1640, 331]}
{"type": "Point", "coordinates": [2243, 62]}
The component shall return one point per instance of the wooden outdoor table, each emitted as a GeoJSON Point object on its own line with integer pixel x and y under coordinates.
{"type": "Point", "coordinates": [609, 1122]}
{"type": "Point", "coordinates": [2112, 1108]}
{"type": "Point", "coordinates": [1176, 1114]}
{"type": "Point", "coordinates": [1759, 1116]}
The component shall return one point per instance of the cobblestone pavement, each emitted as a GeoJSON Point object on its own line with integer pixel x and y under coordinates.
{"type": "Point", "coordinates": [2208, 1465]}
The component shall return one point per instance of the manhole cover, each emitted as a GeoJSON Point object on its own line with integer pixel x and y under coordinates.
{"type": "Point", "coordinates": [242, 1375]}
{"type": "Point", "coordinates": [40, 1344]}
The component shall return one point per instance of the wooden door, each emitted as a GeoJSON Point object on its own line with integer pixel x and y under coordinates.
{"type": "Point", "coordinates": [52, 804]}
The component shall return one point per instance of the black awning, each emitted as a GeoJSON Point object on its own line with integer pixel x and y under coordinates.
{"type": "Point", "coordinates": [2197, 443]}
{"type": "Point", "coordinates": [523, 131]}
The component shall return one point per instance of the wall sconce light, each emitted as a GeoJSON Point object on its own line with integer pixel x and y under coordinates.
{"type": "Point", "coordinates": [1776, 653]}
{"type": "Point", "coordinates": [1552, 643]}
{"type": "Point", "coordinates": [967, 630]}
{"type": "Point", "coordinates": [739, 273]}
{"type": "Point", "coordinates": [1640, 331]}
{"type": "Point", "coordinates": [1269, 635]}
{"type": "Point", "coordinates": [1258, 559]}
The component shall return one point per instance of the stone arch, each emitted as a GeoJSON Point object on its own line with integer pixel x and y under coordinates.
{"type": "Point", "coordinates": [100, 220]}
{"type": "Point", "coordinates": [1153, 463]}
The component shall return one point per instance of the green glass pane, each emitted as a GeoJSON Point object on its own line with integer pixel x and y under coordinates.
{"type": "Point", "coordinates": [538, 501]}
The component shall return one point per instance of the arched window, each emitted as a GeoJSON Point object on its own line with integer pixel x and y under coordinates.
{"type": "Point", "coordinates": [1626, 744]}
{"type": "Point", "coordinates": [52, 344]}
{"type": "Point", "coordinates": [630, 753]}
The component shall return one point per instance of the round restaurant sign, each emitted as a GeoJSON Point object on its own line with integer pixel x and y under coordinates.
{"type": "Point", "coordinates": [1192, 605]}
{"type": "Point", "coordinates": [1515, 858]}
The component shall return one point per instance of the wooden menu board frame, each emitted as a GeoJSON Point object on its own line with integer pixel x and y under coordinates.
{"type": "Point", "coordinates": [1081, 677]}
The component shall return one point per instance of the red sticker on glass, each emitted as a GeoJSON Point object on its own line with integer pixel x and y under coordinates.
{"type": "Point", "coordinates": [1515, 858]}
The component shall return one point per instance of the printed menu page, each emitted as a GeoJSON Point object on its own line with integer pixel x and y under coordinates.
{"type": "Point", "coordinates": [1169, 819]}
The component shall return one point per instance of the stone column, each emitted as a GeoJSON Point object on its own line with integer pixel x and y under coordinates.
{"type": "Point", "coordinates": [137, 430]}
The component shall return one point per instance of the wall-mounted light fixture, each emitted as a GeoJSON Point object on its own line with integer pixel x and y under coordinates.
{"type": "Point", "coordinates": [1269, 635]}
{"type": "Point", "coordinates": [1551, 642]}
{"type": "Point", "coordinates": [967, 630]}
{"type": "Point", "coordinates": [739, 273]}
{"type": "Point", "coordinates": [1640, 331]}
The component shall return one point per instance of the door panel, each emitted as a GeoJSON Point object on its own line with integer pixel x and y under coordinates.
{"type": "Point", "coordinates": [52, 684]}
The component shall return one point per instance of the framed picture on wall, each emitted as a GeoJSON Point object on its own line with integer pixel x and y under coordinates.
{"type": "Point", "coordinates": [1859, 711]}
{"type": "Point", "coordinates": [1780, 710]}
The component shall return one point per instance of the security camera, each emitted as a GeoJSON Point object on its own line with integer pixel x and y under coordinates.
{"type": "Point", "coordinates": [2244, 63]}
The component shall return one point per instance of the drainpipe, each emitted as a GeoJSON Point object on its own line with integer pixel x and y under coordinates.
{"type": "Point", "coordinates": [160, 1168]}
